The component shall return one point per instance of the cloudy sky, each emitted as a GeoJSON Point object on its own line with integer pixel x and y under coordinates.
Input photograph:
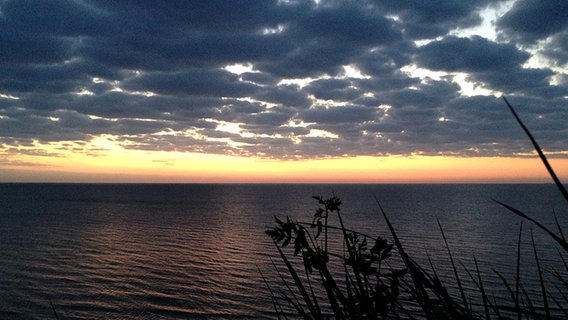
{"type": "Point", "coordinates": [211, 88]}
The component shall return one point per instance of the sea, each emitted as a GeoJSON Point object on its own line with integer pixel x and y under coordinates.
{"type": "Point", "coordinates": [199, 251]}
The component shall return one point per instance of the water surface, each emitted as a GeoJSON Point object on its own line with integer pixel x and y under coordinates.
{"type": "Point", "coordinates": [193, 251]}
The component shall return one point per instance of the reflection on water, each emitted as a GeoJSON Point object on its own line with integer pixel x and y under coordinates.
{"type": "Point", "coordinates": [194, 251]}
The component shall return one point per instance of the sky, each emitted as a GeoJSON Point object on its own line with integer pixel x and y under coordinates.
{"type": "Point", "coordinates": [373, 91]}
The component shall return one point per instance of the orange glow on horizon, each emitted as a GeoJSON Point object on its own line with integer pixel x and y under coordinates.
{"type": "Point", "coordinates": [173, 167]}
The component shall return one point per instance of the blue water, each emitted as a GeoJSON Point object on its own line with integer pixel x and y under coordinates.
{"type": "Point", "coordinates": [194, 251]}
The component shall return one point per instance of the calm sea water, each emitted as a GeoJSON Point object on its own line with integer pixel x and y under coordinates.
{"type": "Point", "coordinates": [160, 251]}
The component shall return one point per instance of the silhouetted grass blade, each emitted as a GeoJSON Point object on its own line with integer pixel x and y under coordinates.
{"type": "Point", "coordinates": [541, 279]}
{"type": "Point", "coordinates": [299, 285]}
{"type": "Point", "coordinates": [518, 272]}
{"type": "Point", "coordinates": [558, 239]}
{"type": "Point", "coordinates": [275, 303]}
{"type": "Point", "coordinates": [539, 151]}
{"type": "Point", "coordinates": [456, 275]}
{"type": "Point", "coordinates": [53, 308]}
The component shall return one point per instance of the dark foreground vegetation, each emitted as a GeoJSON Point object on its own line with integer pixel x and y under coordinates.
{"type": "Point", "coordinates": [372, 278]}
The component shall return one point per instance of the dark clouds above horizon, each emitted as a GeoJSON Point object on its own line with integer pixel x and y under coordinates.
{"type": "Point", "coordinates": [155, 75]}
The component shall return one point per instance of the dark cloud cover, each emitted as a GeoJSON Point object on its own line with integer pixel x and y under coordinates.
{"type": "Point", "coordinates": [326, 78]}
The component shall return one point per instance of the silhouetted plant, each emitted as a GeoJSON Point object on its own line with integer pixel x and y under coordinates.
{"type": "Point", "coordinates": [372, 288]}
{"type": "Point", "coordinates": [369, 289]}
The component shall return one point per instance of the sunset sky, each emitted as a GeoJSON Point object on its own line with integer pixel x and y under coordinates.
{"type": "Point", "coordinates": [381, 91]}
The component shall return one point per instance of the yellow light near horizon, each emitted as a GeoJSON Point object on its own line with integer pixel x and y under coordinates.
{"type": "Point", "coordinates": [121, 165]}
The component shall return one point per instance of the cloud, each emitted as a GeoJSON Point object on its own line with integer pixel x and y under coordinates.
{"type": "Point", "coordinates": [339, 115]}
{"type": "Point", "coordinates": [492, 65]}
{"type": "Point", "coordinates": [531, 20]}
{"type": "Point", "coordinates": [196, 82]}
{"type": "Point", "coordinates": [282, 79]}
{"type": "Point", "coordinates": [557, 49]}
{"type": "Point", "coordinates": [346, 22]}
{"type": "Point", "coordinates": [428, 20]}
{"type": "Point", "coordinates": [475, 54]}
